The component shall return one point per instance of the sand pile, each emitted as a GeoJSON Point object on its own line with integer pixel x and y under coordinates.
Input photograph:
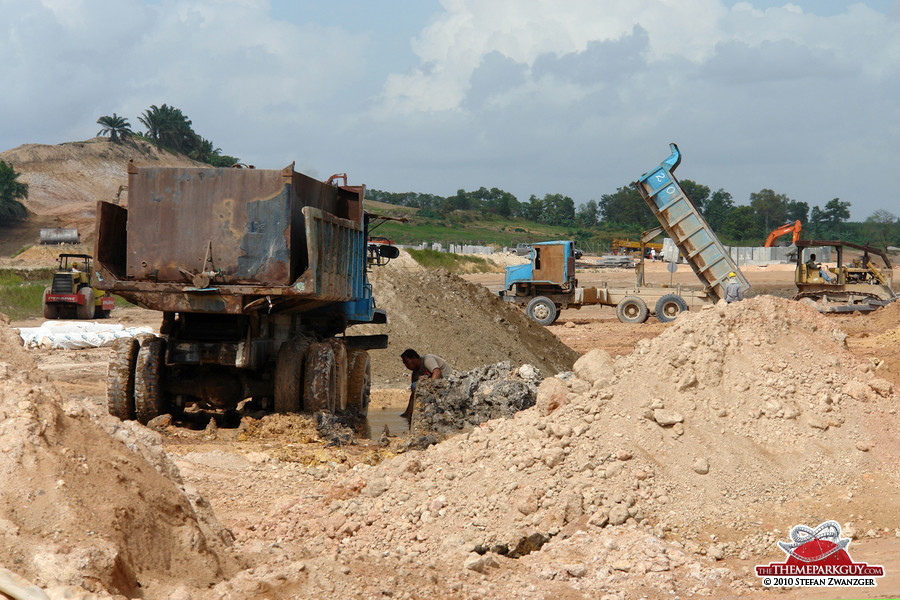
{"type": "Point", "coordinates": [81, 507]}
{"type": "Point", "coordinates": [730, 411]}
{"type": "Point", "coordinates": [435, 312]}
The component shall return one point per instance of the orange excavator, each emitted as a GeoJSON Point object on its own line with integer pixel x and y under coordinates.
{"type": "Point", "coordinates": [784, 229]}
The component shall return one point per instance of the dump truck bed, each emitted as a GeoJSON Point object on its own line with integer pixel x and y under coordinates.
{"type": "Point", "coordinates": [232, 241]}
{"type": "Point", "coordinates": [686, 226]}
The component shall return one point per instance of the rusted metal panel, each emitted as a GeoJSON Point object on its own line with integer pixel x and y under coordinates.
{"type": "Point", "coordinates": [232, 241]}
{"type": "Point", "coordinates": [176, 214]}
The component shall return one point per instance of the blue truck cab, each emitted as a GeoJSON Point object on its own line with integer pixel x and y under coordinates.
{"type": "Point", "coordinates": [551, 263]}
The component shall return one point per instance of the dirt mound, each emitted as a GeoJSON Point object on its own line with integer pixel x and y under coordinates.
{"type": "Point", "coordinates": [65, 181]}
{"type": "Point", "coordinates": [436, 312]}
{"type": "Point", "coordinates": [662, 442]}
{"type": "Point", "coordinates": [82, 507]}
{"type": "Point", "coordinates": [887, 317]}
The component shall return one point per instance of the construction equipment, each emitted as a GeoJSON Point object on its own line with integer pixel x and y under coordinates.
{"type": "Point", "coordinates": [71, 295]}
{"type": "Point", "coordinates": [792, 228]}
{"type": "Point", "coordinates": [622, 245]}
{"type": "Point", "coordinates": [548, 283]}
{"type": "Point", "coordinates": [258, 274]}
{"type": "Point", "coordinates": [859, 286]}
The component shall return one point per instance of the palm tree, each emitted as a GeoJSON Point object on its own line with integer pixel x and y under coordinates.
{"type": "Point", "coordinates": [11, 191]}
{"type": "Point", "coordinates": [116, 127]}
{"type": "Point", "coordinates": [167, 126]}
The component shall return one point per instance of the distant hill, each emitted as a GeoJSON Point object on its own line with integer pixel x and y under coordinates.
{"type": "Point", "coordinates": [66, 180]}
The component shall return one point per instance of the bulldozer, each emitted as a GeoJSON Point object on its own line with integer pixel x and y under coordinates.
{"type": "Point", "coordinates": [860, 286]}
{"type": "Point", "coordinates": [71, 295]}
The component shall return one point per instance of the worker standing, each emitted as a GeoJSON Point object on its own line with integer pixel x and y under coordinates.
{"type": "Point", "coordinates": [733, 291]}
{"type": "Point", "coordinates": [430, 365]}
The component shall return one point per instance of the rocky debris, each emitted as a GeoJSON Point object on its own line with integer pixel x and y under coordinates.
{"type": "Point", "coordinates": [89, 501]}
{"type": "Point", "coordinates": [336, 430]}
{"type": "Point", "coordinates": [465, 400]}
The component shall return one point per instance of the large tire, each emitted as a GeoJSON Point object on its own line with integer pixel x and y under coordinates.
{"type": "Point", "coordinates": [120, 378]}
{"type": "Point", "coordinates": [670, 306]}
{"type": "Point", "coordinates": [632, 310]}
{"type": "Point", "coordinates": [50, 310]}
{"type": "Point", "coordinates": [319, 381]}
{"type": "Point", "coordinates": [341, 369]}
{"type": "Point", "coordinates": [149, 374]}
{"type": "Point", "coordinates": [289, 375]}
{"type": "Point", "coordinates": [359, 382]}
{"type": "Point", "coordinates": [86, 310]}
{"type": "Point", "coordinates": [542, 310]}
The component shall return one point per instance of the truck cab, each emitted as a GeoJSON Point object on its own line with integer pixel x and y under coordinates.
{"type": "Point", "coordinates": [547, 283]}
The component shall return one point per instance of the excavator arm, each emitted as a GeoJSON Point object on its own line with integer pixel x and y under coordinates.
{"type": "Point", "coordinates": [784, 229]}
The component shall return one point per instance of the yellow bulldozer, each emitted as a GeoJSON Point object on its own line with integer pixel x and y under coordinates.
{"type": "Point", "coordinates": [862, 284]}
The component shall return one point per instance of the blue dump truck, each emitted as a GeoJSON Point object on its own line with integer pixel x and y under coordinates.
{"type": "Point", "coordinates": [549, 284]}
{"type": "Point", "coordinates": [257, 273]}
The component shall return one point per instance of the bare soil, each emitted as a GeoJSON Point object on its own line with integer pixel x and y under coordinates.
{"type": "Point", "coordinates": [793, 413]}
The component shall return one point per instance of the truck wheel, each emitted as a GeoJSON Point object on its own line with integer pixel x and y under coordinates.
{"type": "Point", "coordinates": [670, 306]}
{"type": "Point", "coordinates": [289, 375]}
{"type": "Point", "coordinates": [120, 378]}
{"type": "Point", "coordinates": [542, 310]}
{"type": "Point", "coordinates": [149, 371]}
{"type": "Point", "coordinates": [86, 310]}
{"type": "Point", "coordinates": [632, 310]}
{"type": "Point", "coordinates": [341, 370]}
{"type": "Point", "coordinates": [359, 382]}
{"type": "Point", "coordinates": [50, 310]}
{"type": "Point", "coordinates": [319, 381]}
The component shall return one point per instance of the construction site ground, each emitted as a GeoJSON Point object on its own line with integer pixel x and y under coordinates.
{"type": "Point", "coordinates": [311, 519]}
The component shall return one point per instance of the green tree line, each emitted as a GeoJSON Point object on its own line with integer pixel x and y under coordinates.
{"type": "Point", "coordinates": [625, 210]}
{"type": "Point", "coordinates": [166, 127]}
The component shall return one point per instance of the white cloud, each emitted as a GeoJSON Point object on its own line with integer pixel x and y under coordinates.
{"type": "Point", "coordinates": [214, 60]}
{"type": "Point", "coordinates": [533, 96]}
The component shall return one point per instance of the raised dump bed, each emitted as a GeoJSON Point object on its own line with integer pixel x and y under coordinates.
{"type": "Point", "coordinates": [686, 226]}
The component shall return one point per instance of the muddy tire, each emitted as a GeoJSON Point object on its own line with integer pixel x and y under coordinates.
{"type": "Point", "coordinates": [341, 370]}
{"type": "Point", "coordinates": [542, 310]}
{"type": "Point", "coordinates": [50, 310]}
{"type": "Point", "coordinates": [632, 310]}
{"type": "Point", "coordinates": [289, 375]}
{"type": "Point", "coordinates": [359, 382]}
{"type": "Point", "coordinates": [319, 381]}
{"type": "Point", "coordinates": [86, 310]}
{"type": "Point", "coordinates": [669, 307]}
{"type": "Point", "coordinates": [120, 378]}
{"type": "Point", "coordinates": [149, 373]}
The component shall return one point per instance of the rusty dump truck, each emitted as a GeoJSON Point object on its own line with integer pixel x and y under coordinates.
{"type": "Point", "coordinates": [257, 273]}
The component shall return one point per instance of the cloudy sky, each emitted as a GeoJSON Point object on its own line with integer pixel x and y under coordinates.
{"type": "Point", "coordinates": [578, 97]}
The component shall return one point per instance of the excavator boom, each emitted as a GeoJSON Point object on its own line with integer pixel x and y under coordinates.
{"type": "Point", "coordinates": [784, 229]}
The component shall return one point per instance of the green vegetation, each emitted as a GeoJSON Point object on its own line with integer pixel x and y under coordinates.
{"type": "Point", "coordinates": [20, 299]}
{"type": "Point", "coordinates": [455, 263]}
{"type": "Point", "coordinates": [11, 191]}
{"type": "Point", "coordinates": [168, 128]}
{"type": "Point", "coordinates": [495, 217]}
{"type": "Point", "coordinates": [118, 128]}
